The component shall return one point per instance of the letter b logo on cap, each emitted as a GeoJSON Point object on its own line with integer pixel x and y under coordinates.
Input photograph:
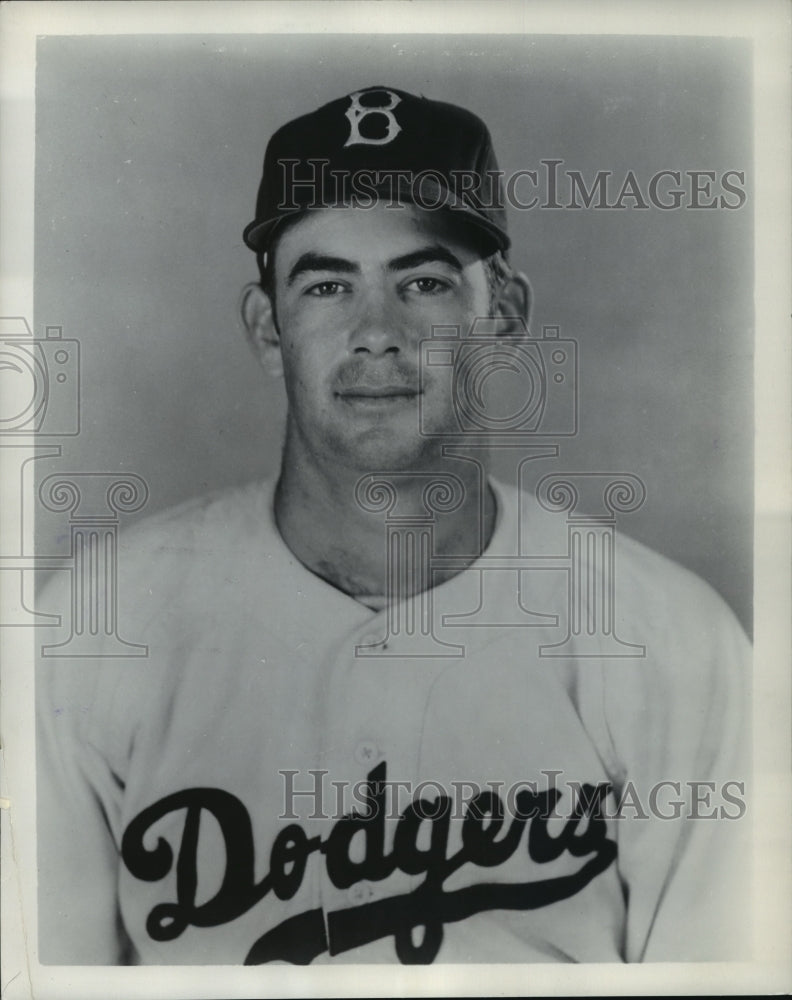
{"type": "Point", "coordinates": [379, 115]}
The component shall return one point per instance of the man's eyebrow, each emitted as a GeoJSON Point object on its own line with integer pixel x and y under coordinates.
{"type": "Point", "coordinates": [321, 262]}
{"type": "Point", "coordinates": [425, 255]}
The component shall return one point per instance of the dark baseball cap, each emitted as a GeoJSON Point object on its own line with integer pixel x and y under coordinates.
{"type": "Point", "coordinates": [383, 144]}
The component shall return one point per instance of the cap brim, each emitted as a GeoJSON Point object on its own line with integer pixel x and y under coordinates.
{"type": "Point", "coordinates": [259, 233]}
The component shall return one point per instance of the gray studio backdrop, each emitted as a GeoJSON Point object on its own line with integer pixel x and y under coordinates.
{"type": "Point", "coordinates": [148, 158]}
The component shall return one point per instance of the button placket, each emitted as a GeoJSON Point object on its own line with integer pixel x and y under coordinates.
{"type": "Point", "coordinates": [372, 716]}
{"type": "Point", "coordinates": [367, 753]}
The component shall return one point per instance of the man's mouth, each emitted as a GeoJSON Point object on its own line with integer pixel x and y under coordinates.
{"type": "Point", "coordinates": [377, 392]}
{"type": "Point", "coordinates": [377, 396]}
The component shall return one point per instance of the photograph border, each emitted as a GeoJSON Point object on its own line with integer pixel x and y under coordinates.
{"type": "Point", "coordinates": [767, 25]}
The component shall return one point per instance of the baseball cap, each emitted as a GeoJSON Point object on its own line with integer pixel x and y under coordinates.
{"type": "Point", "coordinates": [380, 143]}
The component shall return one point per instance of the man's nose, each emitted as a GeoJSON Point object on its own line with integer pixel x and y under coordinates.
{"type": "Point", "coordinates": [378, 327]}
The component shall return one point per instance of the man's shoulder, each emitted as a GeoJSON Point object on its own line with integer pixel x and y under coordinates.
{"type": "Point", "coordinates": [198, 552]}
{"type": "Point", "coordinates": [211, 524]}
{"type": "Point", "coordinates": [187, 555]}
{"type": "Point", "coordinates": [640, 577]}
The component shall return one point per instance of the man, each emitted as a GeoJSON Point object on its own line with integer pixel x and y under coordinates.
{"type": "Point", "coordinates": [378, 722]}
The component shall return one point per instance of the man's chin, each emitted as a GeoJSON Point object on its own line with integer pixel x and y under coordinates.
{"type": "Point", "coordinates": [383, 451]}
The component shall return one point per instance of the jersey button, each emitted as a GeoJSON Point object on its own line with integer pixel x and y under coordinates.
{"type": "Point", "coordinates": [360, 892]}
{"type": "Point", "coordinates": [367, 752]}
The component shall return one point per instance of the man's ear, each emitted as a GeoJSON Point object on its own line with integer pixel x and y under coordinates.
{"type": "Point", "coordinates": [258, 318]}
{"type": "Point", "coordinates": [513, 303]}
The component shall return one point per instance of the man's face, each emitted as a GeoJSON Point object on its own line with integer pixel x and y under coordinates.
{"type": "Point", "coordinates": [356, 291]}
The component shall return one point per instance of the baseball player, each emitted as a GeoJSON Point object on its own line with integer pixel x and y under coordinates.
{"type": "Point", "coordinates": [390, 713]}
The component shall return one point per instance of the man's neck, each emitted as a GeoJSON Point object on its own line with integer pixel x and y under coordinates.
{"type": "Point", "coordinates": [336, 521]}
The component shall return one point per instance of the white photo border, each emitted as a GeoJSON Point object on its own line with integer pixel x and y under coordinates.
{"type": "Point", "coordinates": [767, 25]}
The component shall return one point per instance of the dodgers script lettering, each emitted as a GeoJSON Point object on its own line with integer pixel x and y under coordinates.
{"type": "Point", "coordinates": [487, 841]}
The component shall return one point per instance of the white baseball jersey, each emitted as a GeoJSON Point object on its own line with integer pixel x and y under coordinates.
{"type": "Point", "coordinates": [290, 776]}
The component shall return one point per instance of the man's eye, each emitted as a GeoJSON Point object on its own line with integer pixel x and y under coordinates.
{"type": "Point", "coordinates": [426, 286]}
{"type": "Point", "coordinates": [326, 288]}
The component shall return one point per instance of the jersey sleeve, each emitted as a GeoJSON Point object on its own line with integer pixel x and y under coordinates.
{"type": "Point", "coordinates": [79, 795]}
{"type": "Point", "coordinates": [92, 714]}
{"type": "Point", "coordinates": [678, 720]}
